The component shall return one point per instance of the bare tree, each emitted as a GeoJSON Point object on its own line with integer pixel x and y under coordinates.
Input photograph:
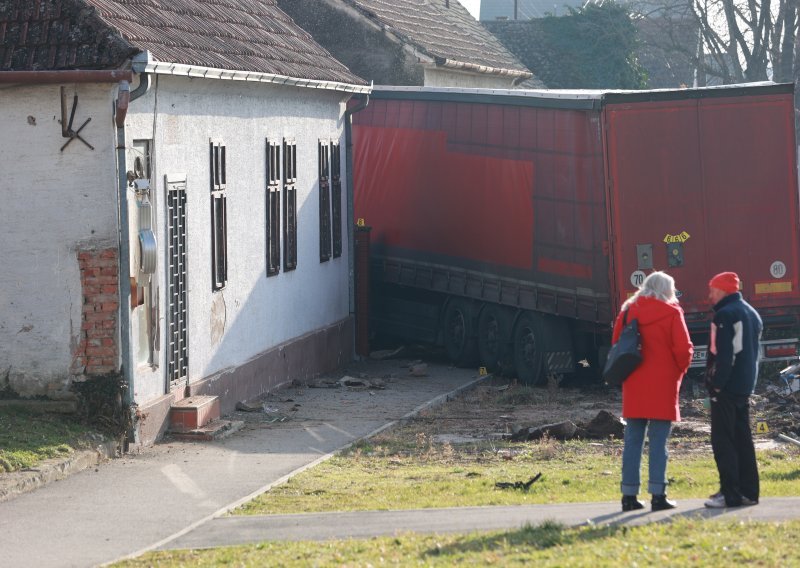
{"type": "Point", "coordinates": [736, 40]}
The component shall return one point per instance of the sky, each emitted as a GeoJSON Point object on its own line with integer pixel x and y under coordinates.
{"type": "Point", "coordinates": [473, 6]}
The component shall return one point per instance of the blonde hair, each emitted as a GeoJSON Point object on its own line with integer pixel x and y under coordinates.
{"type": "Point", "coordinates": [658, 285]}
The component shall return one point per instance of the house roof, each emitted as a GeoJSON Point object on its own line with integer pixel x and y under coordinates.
{"type": "Point", "coordinates": [239, 35]}
{"type": "Point", "coordinates": [526, 9]}
{"type": "Point", "coordinates": [445, 31]}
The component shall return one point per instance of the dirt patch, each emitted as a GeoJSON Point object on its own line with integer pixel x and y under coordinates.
{"type": "Point", "coordinates": [494, 410]}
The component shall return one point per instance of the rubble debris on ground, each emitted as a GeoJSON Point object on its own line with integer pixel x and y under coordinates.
{"type": "Point", "coordinates": [418, 370]}
{"type": "Point", "coordinates": [524, 485]}
{"type": "Point", "coordinates": [560, 431]}
{"type": "Point", "coordinates": [603, 426]}
{"type": "Point", "coordinates": [248, 406]}
{"type": "Point", "coordinates": [354, 383]}
{"type": "Point", "coordinates": [387, 353]}
{"type": "Point", "coordinates": [324, 383]}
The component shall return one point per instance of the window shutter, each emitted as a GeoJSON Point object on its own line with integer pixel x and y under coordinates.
{"type": "Point", "coordinates": [273, 202]}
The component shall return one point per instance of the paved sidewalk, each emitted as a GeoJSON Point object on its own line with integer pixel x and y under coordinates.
{"type": "Point", "coordinates": [139, 501]}
{"type": "Point", "coordinates": [364, 524]}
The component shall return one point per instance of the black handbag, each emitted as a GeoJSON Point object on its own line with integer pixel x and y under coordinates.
{"type": "Point", "coordinates": [625, 355]}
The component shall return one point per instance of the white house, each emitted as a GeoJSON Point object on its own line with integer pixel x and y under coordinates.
{"type": "Point", "coordinates": [194, 235]}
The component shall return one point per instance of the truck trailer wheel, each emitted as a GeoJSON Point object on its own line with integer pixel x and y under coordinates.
{"type": "Point", "coordinates": [528, 349]}
{"type": "Point", "coordinates": [459, 333]}
{"type": "Point", "coordinates": [494, 335]}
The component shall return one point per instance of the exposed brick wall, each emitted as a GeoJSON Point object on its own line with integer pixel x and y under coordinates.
{"type": "Point", "coordinates": [97, 352]}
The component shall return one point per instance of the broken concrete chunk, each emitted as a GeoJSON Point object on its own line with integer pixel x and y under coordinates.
{"type": "Point", "coordinates": [246, 406]}
{"type": "Point", "coordinates": [418, 370]}
{"type": "Point", "coordinates": [387, 353]}
{"type": "Point", "coordinates": [354, 383]}
{"type": "Point", "coordinates": [324, 384]}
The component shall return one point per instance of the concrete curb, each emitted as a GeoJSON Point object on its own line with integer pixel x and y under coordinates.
{"type": "Point", "coordinates": [19, 482]}
{"type": "Point", "coordinates": [433, 403]}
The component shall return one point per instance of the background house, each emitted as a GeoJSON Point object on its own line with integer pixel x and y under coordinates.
{"type": "Point", "coordinates": [525, 9]}
{"type": "Point", "coordinates": [228, 272]}
{"type": "Point", "coordinates": [410, 42]}
{"type": "Point", "coordinates": [661, 34]}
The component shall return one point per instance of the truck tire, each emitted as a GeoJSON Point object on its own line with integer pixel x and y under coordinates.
{"type": "Point", "coordinates": [494, 336]}
{"type": "Point", "coordinates": [459, 333]}
{"type": "Point", "coordinates": [528, 349]}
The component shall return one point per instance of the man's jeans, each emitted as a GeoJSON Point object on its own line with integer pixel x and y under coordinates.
{"type": "Point", "coordinates": [732, 443]}
{"type": "Point", "coordinates": [657, 435]}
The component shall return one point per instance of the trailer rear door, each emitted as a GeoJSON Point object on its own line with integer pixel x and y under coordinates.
{"type": "Point", "coordinates": [703, 185]}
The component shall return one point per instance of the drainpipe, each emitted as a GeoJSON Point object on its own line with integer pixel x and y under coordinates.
{"type": "Point", "coordinates": [71, 76]}
{"type": "Point", "coordinates": [348, 142]}
{"type": "Point", "coordinates": [121, 111]}
{"type": "Point", "coordinates": [144, 86]}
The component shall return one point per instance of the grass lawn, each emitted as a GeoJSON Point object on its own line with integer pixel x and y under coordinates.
{"type": "Point", "coordinates": [374, 476]}
{"type": "Point", "coordinates": [684, 542]}
{"type": "Point", "coordinates": [29, 437]}
{"type": "Point", "coordinates": [409, 467]}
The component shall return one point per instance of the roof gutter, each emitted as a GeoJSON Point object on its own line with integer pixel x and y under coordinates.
{"type": "Point", "coordinates": [475, 68]}
{"type": "Point", "coordinates": [252, 76]}
{"type": "Point", "coordinates": [69, 76]}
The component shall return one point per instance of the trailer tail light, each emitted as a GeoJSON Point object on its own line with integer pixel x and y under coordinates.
{"type": "Point", "coordinates": [777, 350]}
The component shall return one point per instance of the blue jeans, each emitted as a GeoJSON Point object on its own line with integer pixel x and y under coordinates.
{"type": "Point", "coordinates": [657, 434]}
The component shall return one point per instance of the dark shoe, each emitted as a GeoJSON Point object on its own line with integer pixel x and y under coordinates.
{"type": "Point", "coordinates": [661, 503]}
{"type": "Point", "coordinates": [749, 502]}
{"type": "Point", "coordinates": [631, 503]}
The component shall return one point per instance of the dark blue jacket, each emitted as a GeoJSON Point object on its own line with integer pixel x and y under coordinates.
{"type": "Point", "coordinates": [732, 365]}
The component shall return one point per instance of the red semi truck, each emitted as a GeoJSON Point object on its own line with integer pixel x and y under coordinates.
{"type": "Point", "coordinates": [511, 225]}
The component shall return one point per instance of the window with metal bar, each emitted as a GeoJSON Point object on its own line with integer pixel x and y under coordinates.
{"type": "Point", "coordinates": [336, 198]}
{"type": "Point", "coordinates": [289, 204]}
{"type": "Point", "coordinates": [219, 217]}
{"type": "Point", "coordinates": [273, 208]}
{"type": "Point", "coordinates": [324, 201]}
{"type": "Point", "coordinates": [177, 309]}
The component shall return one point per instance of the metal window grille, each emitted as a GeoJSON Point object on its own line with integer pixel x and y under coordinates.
{"type": "Point", "coordinates": [289, 205]}
{"type": "Point", "coordinates": [177, 348]}
{"type": "Point", "coordinates": [336, 198]}
{"type": "Point", "coordinates": [219, 218]}
{"type": "Point", "coordinates": [273, 208]}
{"type": "Point", "coordinates": [324, 201]}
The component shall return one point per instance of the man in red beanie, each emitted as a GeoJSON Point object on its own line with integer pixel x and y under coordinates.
{"type": "Point", "coordinates": [731, 372]}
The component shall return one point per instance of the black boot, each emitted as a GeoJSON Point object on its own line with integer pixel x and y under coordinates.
{"type": "Point", "coordinates": [631, 503]}
{"type": "Point", "coordinates": [661, 503]}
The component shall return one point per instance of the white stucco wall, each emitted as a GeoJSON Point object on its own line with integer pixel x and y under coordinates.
{"type": "Point", "coordinates": [53, 203]}
{"type": "Point", "coordinates": [181, 115]}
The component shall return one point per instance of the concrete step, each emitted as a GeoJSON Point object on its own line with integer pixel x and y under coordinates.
{"type": "Point", "coordinates": [193, 413]}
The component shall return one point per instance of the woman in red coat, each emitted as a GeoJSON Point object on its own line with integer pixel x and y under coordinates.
{"type": "Point", "coordinates": [650, 393]}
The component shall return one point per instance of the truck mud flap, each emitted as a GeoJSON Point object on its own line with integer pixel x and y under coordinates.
{"type": "Point", "coordinates": [559, 362]}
